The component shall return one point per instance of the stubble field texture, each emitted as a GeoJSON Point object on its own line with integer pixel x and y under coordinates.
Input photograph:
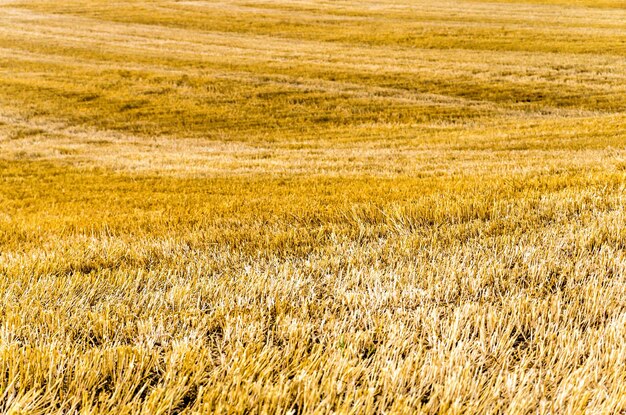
{"type": "Point", "coordinates": [264, 206]}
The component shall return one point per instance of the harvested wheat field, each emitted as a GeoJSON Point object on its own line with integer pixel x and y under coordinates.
{"type": "Point", "coordinates": [313, 207]}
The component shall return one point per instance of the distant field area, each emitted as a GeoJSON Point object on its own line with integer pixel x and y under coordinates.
{"type": "Point", "coordinates": [305, 206]}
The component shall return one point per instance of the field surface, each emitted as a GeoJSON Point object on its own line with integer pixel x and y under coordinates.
{"type": "Point", "coordinates": [353, 207]}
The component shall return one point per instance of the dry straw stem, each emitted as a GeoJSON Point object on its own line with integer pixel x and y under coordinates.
{"type": "Point", "coordinates": [312, 207]}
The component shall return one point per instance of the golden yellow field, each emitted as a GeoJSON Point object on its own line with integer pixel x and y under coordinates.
{"type": "Point", "coordinates": [313, 207]}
